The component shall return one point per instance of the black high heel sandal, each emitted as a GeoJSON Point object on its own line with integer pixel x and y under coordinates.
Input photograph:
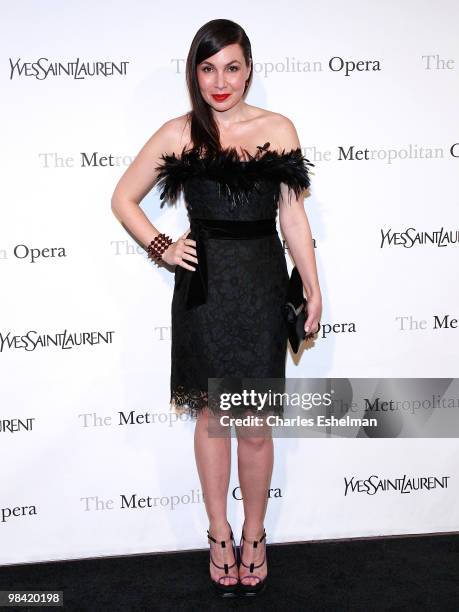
{"type": "Point", "coordinates": [252, 589]}
{"type": "Point", "coordinates": [224, 590]}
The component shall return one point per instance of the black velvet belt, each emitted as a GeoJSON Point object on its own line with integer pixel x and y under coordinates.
{"type": "Point", "coordinates": [201, 230]}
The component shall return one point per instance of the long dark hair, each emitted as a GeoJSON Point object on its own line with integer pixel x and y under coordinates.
{"type": "Point", "coordinates": [208, 40]}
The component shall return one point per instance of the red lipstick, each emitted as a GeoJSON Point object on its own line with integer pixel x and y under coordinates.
{"type": "Point", "coordinates": [220, 97]}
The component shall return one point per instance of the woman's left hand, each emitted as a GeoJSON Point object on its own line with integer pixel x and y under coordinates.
{"type": "Point", "coordinates": [311, 325]}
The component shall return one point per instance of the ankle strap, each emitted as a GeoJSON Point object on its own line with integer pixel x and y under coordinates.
{"type": "Point", "coordinates": [255, 542]}
{"type": "Point", "coordinates": [225, 566]}
{"type": "Point", "coordinates": [222, 542]}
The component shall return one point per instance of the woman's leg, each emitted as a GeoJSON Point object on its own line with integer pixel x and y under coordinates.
{"type": "Point", "coordinates": [255, 465]}
{"type": "Point", "coordinates": [213, 460]}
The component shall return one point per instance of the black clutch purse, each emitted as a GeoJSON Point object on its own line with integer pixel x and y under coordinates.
{"type": "Point", "coordinates": [295, 310]}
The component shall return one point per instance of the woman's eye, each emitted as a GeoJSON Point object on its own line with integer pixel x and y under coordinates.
{"type": "Point", "coordinates": [231, 68]}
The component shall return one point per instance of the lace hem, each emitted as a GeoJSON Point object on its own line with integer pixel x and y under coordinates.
{"type": "Point", "coordinates": [189, 401]}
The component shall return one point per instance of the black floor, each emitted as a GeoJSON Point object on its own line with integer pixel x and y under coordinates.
{"type": "Point", "coordinates": [401, 573]}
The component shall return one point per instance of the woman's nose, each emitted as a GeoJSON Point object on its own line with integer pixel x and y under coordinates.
{"type": "Point", "coordinates": [221, 80]}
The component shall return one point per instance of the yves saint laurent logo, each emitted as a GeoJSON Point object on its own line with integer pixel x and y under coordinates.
{"type": "Point", "coordinates": [76, 69]}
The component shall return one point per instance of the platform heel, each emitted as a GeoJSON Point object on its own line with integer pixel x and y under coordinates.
{"type": "Point", "coordinates": [224, 590]}
{"type": "Point", "coordinates": [249, 589]}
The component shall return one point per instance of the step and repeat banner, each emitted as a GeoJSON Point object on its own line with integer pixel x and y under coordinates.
{"type": "Point", "coordinates": [94, 462]}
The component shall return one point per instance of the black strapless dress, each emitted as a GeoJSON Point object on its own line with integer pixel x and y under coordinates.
{"type": "Point", "coordinates": [227, 315]}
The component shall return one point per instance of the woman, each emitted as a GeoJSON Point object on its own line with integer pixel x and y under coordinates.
{"type": "Point", "coordinates": [237, 166]}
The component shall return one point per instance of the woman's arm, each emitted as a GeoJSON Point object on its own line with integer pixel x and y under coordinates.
{"type": "Point", "coordinates": [138, 180]}
{"type": "Point", "coordinates": [295, 228]}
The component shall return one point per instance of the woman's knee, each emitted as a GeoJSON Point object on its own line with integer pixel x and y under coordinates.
{"type": "Point", "coordinates": [209, 423]}
{"type": "Point", "coordinates": [254, 441]}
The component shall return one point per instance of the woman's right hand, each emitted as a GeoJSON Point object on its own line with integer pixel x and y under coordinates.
{"type": "Point", "coordinates": [181, 251]}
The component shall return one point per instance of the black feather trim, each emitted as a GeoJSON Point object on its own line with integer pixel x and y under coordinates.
{"type": "Point", "coordinates": [237, 178]}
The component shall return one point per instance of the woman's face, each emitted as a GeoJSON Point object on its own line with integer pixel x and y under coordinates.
{"type": "Point", "coordinates": [222, 77]}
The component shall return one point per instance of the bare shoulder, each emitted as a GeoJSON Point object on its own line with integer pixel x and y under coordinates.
{"type": "Point", "coordinates": [142, 173]}
{"type": "Point", "coordinates": [172, 135]}
{"type": "Point", "coordinates": [284, 133]}
{"type": "Point", "coordinates": [278, 129]}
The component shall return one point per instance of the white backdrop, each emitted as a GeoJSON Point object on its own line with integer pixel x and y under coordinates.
{"type": "Point", "coordinates": [74, 474]}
